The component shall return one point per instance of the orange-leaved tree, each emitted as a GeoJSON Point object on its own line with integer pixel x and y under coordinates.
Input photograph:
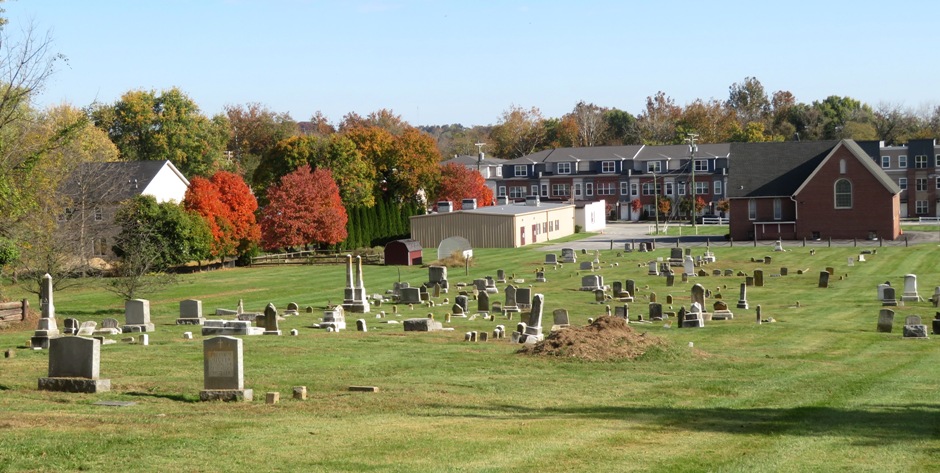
{"type": "Point", "coordinates": [459, 182]}
{"type": "Point", "coordinates": [226, 203]}
{"type": "Point", "coordinates": [304, 207]}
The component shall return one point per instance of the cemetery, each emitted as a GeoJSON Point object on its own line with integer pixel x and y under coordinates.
{"type": "Point", "coordinates": [514, 362]}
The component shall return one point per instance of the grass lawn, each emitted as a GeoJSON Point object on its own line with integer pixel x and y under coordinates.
{"type": "Point", "coordinates": [818, 390]}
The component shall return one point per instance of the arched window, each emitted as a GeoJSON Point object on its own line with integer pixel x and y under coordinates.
{"type": "Point", "coordinates": [843, 194]}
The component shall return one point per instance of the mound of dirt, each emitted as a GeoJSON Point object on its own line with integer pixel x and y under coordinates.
{"type": "Point", "coordinates": [607, 339]}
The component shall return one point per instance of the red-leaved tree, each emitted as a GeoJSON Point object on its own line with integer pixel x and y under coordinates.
{"type": "Point", "coordinates": [459, 182]}
{"type": "Point", "coordinates": [226, 203]}
{"type": "Point", "coordinates": [304, 207]}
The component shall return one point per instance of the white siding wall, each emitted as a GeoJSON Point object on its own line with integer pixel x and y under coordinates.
{"type": "Point", "coordinates": [167, 185]}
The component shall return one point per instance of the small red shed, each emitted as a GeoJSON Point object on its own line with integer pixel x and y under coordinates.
{"type": "Point", "coordinates": [403, 252]}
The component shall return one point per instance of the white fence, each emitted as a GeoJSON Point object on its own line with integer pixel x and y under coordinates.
{"type": "Point", "coordinates": [714, 221]}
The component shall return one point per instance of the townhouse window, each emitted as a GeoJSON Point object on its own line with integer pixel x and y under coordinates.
{"type": "Point", "coordinates": [516, 192]}
{"type": "Point", "coordinates": [701, 187]}
{"type": "Point", "coordinates": [902, 183]}
{"type": "Point", "coordinates": [608, 167]}
{"type": "Point", "coordinates": [653, 166]}
{"type": "Point", "coordinates": [843, 194]}
{"type": "Point", "coordinates": [605, 188]}
{"type": "Point", "coordinates": [534, 190]}
{"type": "Point", "coordinates": [499, 171]}
{"type": "Point", "coordinates": [563, 168]}
{"type": "Point", "coordinates": [778, 209]}
{"type": "Point", "coordinates": [902, 161]}
{"type": "Point", "coordinates": [717, 186]}
{"type": "Point", "coordinates": [577, 190]}
{"type": "Point", "coordinates": [920, 207]}
{"type": "Point", "coordinates": [624, 188]}
{"type": "Point", "coordinates": [921, 183]}
{"type": "Point", "coordinates": [501, 192]}
{"type": "Point", "coordinates": [589, 188]}
{"type": "Point", "coordinates": [100, 246]}
{"type": "Point", "coordinates": [701, 165]}
{"type": "Point", "coordinates": [920, 161]}
{"type": "Point", "coordinates": [544, 190]}
{"type": "Point", "coordinates": [520, 170]}
{"type": "Point", "coordinates": [681, 189]}
{"type": "Point", "coordinates": [885, 162]}
{"type": "Point", "coordinates": [634, 189]}
{"type": "Point", "coordinates": [561, 190]}
{"type": "Point", "coordinates": [648, 188]}
{"type": "Point", "coordinates": [648, 209]}
{"type": "Point", "coordinates": [751, 209]}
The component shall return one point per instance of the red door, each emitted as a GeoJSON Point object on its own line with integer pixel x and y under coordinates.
{"type": "Point", "coordinates": [535, 230]}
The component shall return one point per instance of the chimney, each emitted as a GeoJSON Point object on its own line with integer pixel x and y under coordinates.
{"type": "Point", "coordinates": [445, 206]}
{"type": "Point", "coordinates": [502, 200]}
{"type": "Point", "coordinates": [532, 201]}
{"type": "Point", "coordinates": [468, 204]}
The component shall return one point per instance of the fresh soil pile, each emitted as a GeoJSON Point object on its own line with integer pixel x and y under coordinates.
{"type": "Point", "coordinates": [607, 339]}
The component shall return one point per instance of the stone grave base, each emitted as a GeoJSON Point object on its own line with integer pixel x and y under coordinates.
{"type": "Point", "coordinates": [272, 332]}
{"type": "Point", "coordinates": [722, 315]}
{"type": "Point", "coordinates": [526, 339]}
{"type": "Point", "coordinates": [360, 307]}
{"type": "Point", "coordinates": [915, 331]}
{"type": "Point", "coordinates": [693, 323]}
{"type": "Point", "coordinates": [75, 385]}
{"type": "Point", "coordinates": [137, 328]}
{"type": "Point", "coordinates": [107, 331]}
{"type": "Point", "coordinates": [230, 327]}
{"type": "Point", "coordinates": [226, 395]}
{"type": "Point", "coordinates": [191, 321]}
{"type": "Point", "coordinates": [421, 325]}
{"type": "Point", "coordinates": [39, 342]}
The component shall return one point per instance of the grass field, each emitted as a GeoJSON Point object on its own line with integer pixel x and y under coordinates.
{"type": "Point", "coordinates": [819, 390]}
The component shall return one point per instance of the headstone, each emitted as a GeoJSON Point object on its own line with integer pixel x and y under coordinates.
{"type": "Point", "coordinates": [354, 296]}
{"type": "Point", "coordinates": [511, 305]}
{"type": "Point", "coordinates": [778, 246]}
{"type": "Point", "coordinates": [560, 318]}
{"type": "Point", "coordinates": [70, 326]}
{"type": "Point", "coordinates": [568, 256]}
{"type": "Point", "coordinates": [910, 288]}
{"type": "Point", "coordinates": [742, 299]}
{"type": "Point", "coordinates": [824, 279]}
{"type": "Point", "coordinates": [622, 311]}
{"type": "Point", "coordinates": [334, 319]}
{"type": "Point", "coordinates": [885, 320]}
{"type": "Point", "coordinates": [551, 258]}
{"type": "Point", "coordinates": [491, 286]}
{"type": "Point", "coordinates": [668, 299]}
{"type": "Point", "coordinates": [190, 313]}
{"type": "Point", "coordinates": [851, 261]}
{"type": "Point", "coordinates": [631, 287]}
{"type": "Point", "coordinates": [830, 270]}
{"type": "Point", "coordinates": [483, 303]}
{"type": "Point", "coordinates": [652, 297]}
{"type": "Point", "coordinates": [729, 272]}
{"type": "Point", "coordinates": [87, 328]}
{"type": "Point", "coordinates": [749, 281]}
{"type": "Point", "coordinates": [109, 326]}
{"type": "Point", "coordinates": [720, 311]}
{"type": "Point", "coordinates": [137, 316]}
{"type": "Point", "coordinates": [653, 268]}
{"type": "Point", "coordinates": [698, 294]}
{"type": "Point", "coordinates": [292, 309]}
{"type": "Point", "coordinates": [617, 288]}
{"type": "Point", "coordinates": [655, 311]}
{"type": "Point", "coordinates": [47, 329]}
{"type": "Point", "coordinates": [300, 393]}
{"type": "Point", "coordinates": [410, 295]}
{"type": "Point", "coordinates": [600, 295]}
{"type": "Point", "coordinates": [586, 266]}
{"type": "Point", "coordinates": [784, 271]}
{"type": "Point", "coordinates": [524, 297]}
{"type": "Point", "coordinates": [936, 323]}
{"type": "Point", "coordinates": [270, 320]}
{"type": "Point", "coordinates": [74, 364]}
{"type": "Point", "coordinates": [230, 327]}
{"type": "Point", "coordinates": [462, 301]}
{"type": "Point", "coordinates": [889, 297]}
{"type": "Point", "coordinates": [224, 370]}
{"type": "Point", "coordinates": [688, 266]}
{"type": "Point", "coordinates": [758, 278]}
{"type": "Point", "coordinates": [914, 328]}
{"type": "Point", "coordinates": [361, 325]}
{"type": "Point", "coordinates": [423, 324]}
{"type": "Point", "coordinates": [532, 332]}
{"type": "Point", "coordinates": [671, 279]}
{"type": "Point", "coordinates": [500, 276]}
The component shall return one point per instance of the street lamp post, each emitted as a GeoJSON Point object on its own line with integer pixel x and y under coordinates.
{"type": "Point", "coordinates": [656, 202]}
{"type": "Point", "coordinates": [692, 150]}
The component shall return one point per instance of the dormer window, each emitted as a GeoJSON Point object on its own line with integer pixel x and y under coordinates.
{"type": "Point", "coordinates": [608, 167]}
{"type": "Point", "coordinates": [563, 168]}
{"type": "Point", "coordinates": [521, 170]}
{"type": "Point", "coordinates": [654, 166]}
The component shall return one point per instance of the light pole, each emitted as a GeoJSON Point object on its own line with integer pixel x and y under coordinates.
{"type": "Point", "coordinates": [692, 150]}
{"type": "Point", "coordinates": [656, 202]}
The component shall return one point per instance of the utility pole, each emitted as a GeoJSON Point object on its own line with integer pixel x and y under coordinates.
{"type": "Point", "coordinates": [656, 202]}
{"type": "Point", "coordinates": [692, 150]}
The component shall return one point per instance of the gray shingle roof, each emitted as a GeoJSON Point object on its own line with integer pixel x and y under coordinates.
{"type": "Point", "coordinates": [112, 181]}
{"type": "Point", "coordinates": [773, 169]}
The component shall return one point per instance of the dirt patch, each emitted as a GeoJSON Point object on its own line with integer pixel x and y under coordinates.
{"type": "Point", "coordinates": [607, 339]}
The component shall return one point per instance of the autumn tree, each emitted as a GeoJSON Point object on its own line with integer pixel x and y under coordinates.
{"type": "Point", "coordinates": [459, 182]}
{"type": "Point", "coordinates": [147, 125]}
{"type": "Point", "coordinates": [592, 127]}
{"type": "Point", "coordinates": [254, 130]}
{"type": "Point", "coordinates": [304, 207]}
{"type": "Point", "coordinates": [711, 120]}
{"type": "Point", "coordinates": [228, 207]}
{"type": "Point", "coordinates": [404, 165]}
{"type": "Point", "coordinates": [749, 101]}
{"type": "Point", "coordinates": [657, 124]}
{"type": "Point", "coordinates": [519, 132]}
{"type": "Point", "coordinates": [561, 133]}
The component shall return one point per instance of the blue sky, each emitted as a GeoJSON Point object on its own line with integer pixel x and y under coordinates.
{"type": "Point", "coordinates": [440, 62]}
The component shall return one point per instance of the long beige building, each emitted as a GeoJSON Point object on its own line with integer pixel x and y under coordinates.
{"type": "Point", "coordinates": [499, 226]}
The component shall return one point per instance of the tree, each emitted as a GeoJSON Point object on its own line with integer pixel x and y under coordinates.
{"type": "Point", "coordinates": [459, 182]}
{"type": "Point", "coordinates": [405, 165]}
{"type": "Point", "coordinates": [621, 128]}
{"type": "Point", "coordinates": [146, 125]}
{"type": "Point", "coordinates": [657, 124]}
{"type": "Point", "coordinates": [227, 205]}
{"type": "Point", "coordinates": [713, 122]}
{"type": "Point", "coordinates": [592, 127]}
{"type": "Point", "coordinates": [519, 132]}
{"type": "Point", "coordinates": [305, 207]}
{"type": "Point", "coordinates": [154, 237]}
{"type": "Point", "coordinates": [254, 130]}
{"type": "Point", "coordinates": [749, 101]}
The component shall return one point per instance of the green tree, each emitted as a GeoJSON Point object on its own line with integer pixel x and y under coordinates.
{"type": "Point", "coordinates": [621, 128]}
{"type": "Point", "coordinates": [519, 132]}
{"type": "Point", "coordinates": [147, 125]}
{"type": "Point", "coordinates": [255, 129]}
{"type": "Point", "coordinates": [749, 101]}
